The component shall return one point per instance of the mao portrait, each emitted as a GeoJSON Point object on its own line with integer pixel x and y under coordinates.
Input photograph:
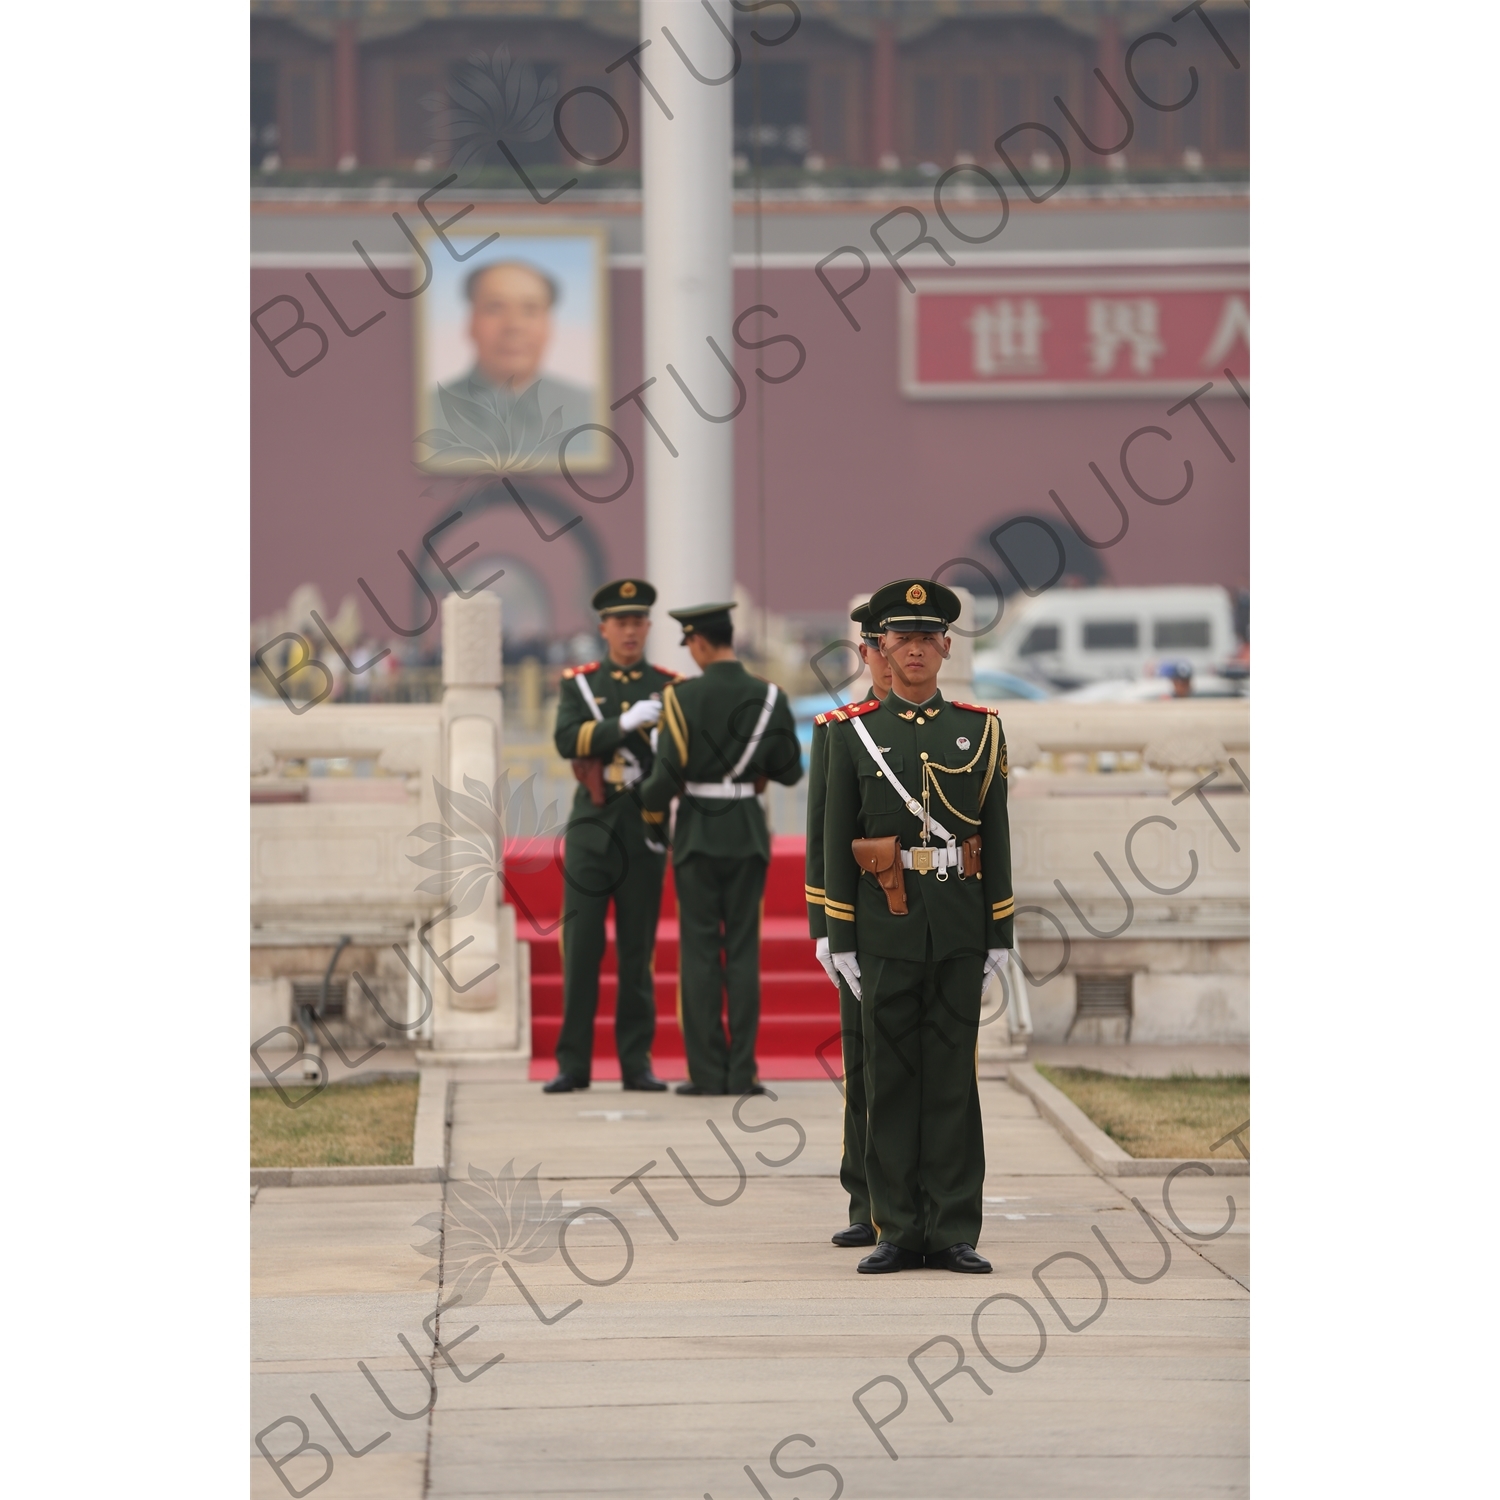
{"type": "Point", "coordinates": [512, 354]}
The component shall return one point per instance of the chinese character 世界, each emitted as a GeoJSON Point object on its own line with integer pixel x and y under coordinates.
{"type": "Point", "coordinates": [1124, 321]}
{"type": "Point", "coordinates": [1007, 337]}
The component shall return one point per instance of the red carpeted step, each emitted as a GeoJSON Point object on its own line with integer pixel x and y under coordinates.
{"type": "Point", "coordinates": [786, 880]}
{"type": "Point", "coordinates": [534, 879]}
{"type": "Point", "coordinates": [784, 946]}
{"type": "Point", "coordinates": [780, 994]}
{"type": "Point", "coordinates": [798, 1033]}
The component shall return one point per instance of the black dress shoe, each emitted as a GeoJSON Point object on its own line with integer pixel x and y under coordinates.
{"type": "Point", "coordinates": [751, 1088]}
{"type": "Point", "coordinates": [689, 1088]}
{"type": "Point", "coordinates": [643, 1083]}
{"type": "Point", "coordinates": [564, 1083]}
{"type": "Point", "coordinates": [959, 1258]}
{"type": "Point", "coordinates": [855, 1234]}
{"type": "Point", "coordinates": [888, 1257]}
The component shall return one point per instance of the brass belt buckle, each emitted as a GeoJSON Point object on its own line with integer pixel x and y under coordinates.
{"type": "Point", "coordinates": [921, 860]}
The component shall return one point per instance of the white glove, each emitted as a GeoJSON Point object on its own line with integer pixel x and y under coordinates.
{"type": "Point", "coordinates": [848, 965]}
{"type": "Point", "coordinates": [822, 952]}
{"type": "Point", "coordinates": [996, 960]}
{"type": "Point", "coordinates": [647, 711]}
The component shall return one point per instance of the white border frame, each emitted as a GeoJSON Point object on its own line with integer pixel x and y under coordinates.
{"type": "Point", "coordinates": [1064, 390]}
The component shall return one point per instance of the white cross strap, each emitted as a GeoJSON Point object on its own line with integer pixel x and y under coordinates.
{"type": "Point", "coordinates": [588, 696]}
{"type": "Point", "coordinates": [729, 788]}
{"type": "Point", "coordinates": [757, 733]}
{"type": "Point", "coordinates": [912, 805]}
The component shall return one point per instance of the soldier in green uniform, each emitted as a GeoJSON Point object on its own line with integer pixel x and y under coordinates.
{"type": "Point", "coordinates": [920, 911]}
{"type": "Point", "coordinates": [605, 714]}
{"type": "Point", "coordinates": [722, 736]}
{"type": "Point", "coordinates": [851, 1033]}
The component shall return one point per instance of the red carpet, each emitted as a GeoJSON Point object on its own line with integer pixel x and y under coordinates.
{"type": "Point", "coordinates": [799, 1009]}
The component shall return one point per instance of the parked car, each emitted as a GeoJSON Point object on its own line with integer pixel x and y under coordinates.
{"type": "Point", "coordinates": [1072, 637]}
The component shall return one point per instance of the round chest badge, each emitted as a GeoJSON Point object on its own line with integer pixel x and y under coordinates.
{"type": "Point", "coordinates": [963, 742]}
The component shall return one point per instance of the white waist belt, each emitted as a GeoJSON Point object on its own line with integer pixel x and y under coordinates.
{"type": "Point", "coordinates": [929, 859]}
{"type": "Point", "coordinates": [733, 791]}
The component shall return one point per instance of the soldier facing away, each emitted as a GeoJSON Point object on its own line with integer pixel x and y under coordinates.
{"type": "Point", "coordinates": [851, 1032]}
{"type": "Point", "coordinates": [605, 713]}
{"type": "Point", "coordinates": [722, 736]}
{"type": "Point", "coordinates": [920, 910]}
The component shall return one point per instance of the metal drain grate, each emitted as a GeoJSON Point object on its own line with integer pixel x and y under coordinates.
{"type": "Point", "coordinates": [309, 991]}
{"type": "Point", "coordinates": [1103, 997]}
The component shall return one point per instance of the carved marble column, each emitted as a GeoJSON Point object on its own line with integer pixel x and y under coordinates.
{"type": "Point", "coordinates": [480, 1006]}
{"type": "Point", "coordinates": [957, 678]}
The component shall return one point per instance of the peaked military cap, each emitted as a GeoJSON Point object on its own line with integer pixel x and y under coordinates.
{"type": "Point", "coordinates": [914, 604]}
{"type": "Point", "coordinates": [703, 617]}
{"type": "Point", "coordinates": [868, 628]}
{"type": "Point", "coordinates": [625, 596]}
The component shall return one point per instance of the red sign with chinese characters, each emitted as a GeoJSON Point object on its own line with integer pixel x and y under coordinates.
{"type": "Point", "coordinates": [1119, 333]}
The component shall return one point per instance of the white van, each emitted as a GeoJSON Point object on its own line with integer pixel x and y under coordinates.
{"type": "Point", "coordinates": [1069, 637]}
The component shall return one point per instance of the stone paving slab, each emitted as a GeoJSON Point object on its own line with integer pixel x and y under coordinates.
{"type": "Point", "coordinates": [1115, 1477]}
{"type": "Point", "coordinates": [750, 1326]}
{"type": "Point", "coordinates": [377, 1476]}
{"type": "Point", "coordinates": [1147, 1059]}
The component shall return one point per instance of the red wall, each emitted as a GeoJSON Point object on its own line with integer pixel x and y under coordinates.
{"type": "Point", "coordinates": [861, 484]}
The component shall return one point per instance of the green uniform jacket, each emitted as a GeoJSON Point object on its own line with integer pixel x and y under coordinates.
{"type": "Point", "coordinates": [706, 723]}
{"type": "Point", "coordinates": [962, 916]}
{"type": "Point", "coordinates": [817, 785]}
{"type": "Point", "coordinates": [579, 734]}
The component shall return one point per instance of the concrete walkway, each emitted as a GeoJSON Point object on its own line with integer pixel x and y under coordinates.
{"type": "Point", "coordinates": [670, 1366]}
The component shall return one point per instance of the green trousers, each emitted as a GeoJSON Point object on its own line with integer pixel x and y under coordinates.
{"type": "Point", "coordinates": [924, 1154]}
{"type": "Point", "coordinates": [718, 906]}
{"type": "Point", "coordinates": [852, 1166]}
{"type": "Point", "coordinates": [606, 859]}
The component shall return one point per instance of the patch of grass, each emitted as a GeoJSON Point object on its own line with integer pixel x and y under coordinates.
{"type": "Point", "coordinates": [1181, 1116]}
{"type": "Point", "coordinates": [347, 1125]}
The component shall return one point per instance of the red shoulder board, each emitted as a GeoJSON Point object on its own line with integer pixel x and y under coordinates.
{"type": "Point", "coordinates": [583, 671]}
{"type": "Point", "coordinates": [848, 711]}
{"type": "Point", "coordinates": [974, 708]}
{"type": "Point", "coordinates": [665, 671]}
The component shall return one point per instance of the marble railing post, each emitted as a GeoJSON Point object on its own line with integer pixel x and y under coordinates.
{"type": "Point", "coordinates": [957, 679]}
{"type": "Point", "coordinates": [481, 1009]}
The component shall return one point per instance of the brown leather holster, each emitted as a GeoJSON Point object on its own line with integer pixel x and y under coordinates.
{"type": "Point", "coordinates": [589, 769]}
{"type": "Point", "coordinates": [971, 861]}
{"type": "Point", "coordinates": [882, 858]}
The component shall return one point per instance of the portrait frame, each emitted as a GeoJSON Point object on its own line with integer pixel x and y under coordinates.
{"type": "Point", "coordinates": [576, 256]}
